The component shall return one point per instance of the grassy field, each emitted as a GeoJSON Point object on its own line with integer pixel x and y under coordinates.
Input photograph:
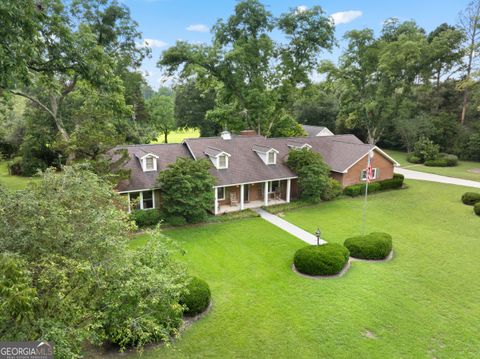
{"type": "Point", "coordinates": [12, 182]}
{"type": "Point", "coordinates": [423, 304]}
{"type": "Point", "coordinates": [461, 171]}
{"type": "Point", "coordinates": [180, 135]}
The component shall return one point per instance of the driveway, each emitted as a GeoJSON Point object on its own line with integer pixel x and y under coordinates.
{"type": "Point", "coordinates": [422, 176]}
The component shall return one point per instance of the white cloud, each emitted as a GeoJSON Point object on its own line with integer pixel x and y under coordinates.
{"type": "Point", "coordinates": [302, 8]}
{"type": "Point", "coordinates": [198, 28]}
{"type": "Point", "coordinates": [152, 43]}
{"type": "Point", "coordinates": [344, 17]}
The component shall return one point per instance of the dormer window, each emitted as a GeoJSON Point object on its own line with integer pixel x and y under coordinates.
{"type": "Point", "coordinates": [272, 158]}
{"type": "Point", "coordinates": [218, 157]}
{"type": "Point", "coordinates": [149, 162]}
{"type": "Point", "coordinates": [222, 161]}
{"type": "Point", "coordinates": [298, 145]}
{"type": "Point", "coordinates": [267, 154]}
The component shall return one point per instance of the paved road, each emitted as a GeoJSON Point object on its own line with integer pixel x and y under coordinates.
{"type": "Point", "coordinates": [288, 227]}
{"type": "Point", "coordinates": [422, 176]}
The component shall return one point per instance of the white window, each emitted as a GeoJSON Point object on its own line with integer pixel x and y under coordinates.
{"type": "Point", "coordinates": [273, 186]}
{"type": "Point", "coordinates": [222, 161]}
{"type": "Point", "coordinates": [221, 193]}
{"type": "Point", "coordinates": [149, 164]}
{"type": "Point", "coordinates": [141, 200]}
{"type": "Point", "coordinates": [363, 176]}
{"type": "Point", "coordinates": [271, 158]}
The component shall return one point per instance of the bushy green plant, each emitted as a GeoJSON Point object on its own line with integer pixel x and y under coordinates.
{"type": "Point", "coordinates": [353, 190]}
{"type": "Point", "coordinates": [438, 162]}
{"type": "Point", "coordinates": [476, 208]}
{"type": "Point", "coordinates": [327, 259]}
{"type": "Point", "coordinates": [176, 221]}
{"type": "Point", "coordinates": [313, 173]}
{"type": "Point", "coordinates": [197, 298]}
{"type": "Point", "coordinates": [412, 158]}
{"type": "Point", "coordinates": [376, 245]}
{"type": "Point", "coordinates": [145, 218]}
{"type": "Point", "coordinates": [15, 166]}
{"type": "Point", "coordinates": [395, 182]}
{"type": "Point", "coordinates": [372, 187]}
{"type": "Point", "coordinates": [332, 190]}
{"type": "Point", "coordinates": [425, 149]}
{"type": "Point", "coordinates": [451, 160]}
{"type": "Point", "coordinates": [182, 179]}
{"type": "Point", "coordinates": [471, 198]}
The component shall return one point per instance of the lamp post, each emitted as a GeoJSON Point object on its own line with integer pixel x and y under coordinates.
{"type": "Point", "coordinates": [317, 234]}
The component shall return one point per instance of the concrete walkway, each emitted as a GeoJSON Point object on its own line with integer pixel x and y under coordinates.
{"type": "Point", "coordinates": [422, 176]}
{"type": "Point", "coordinates": [288, 227]}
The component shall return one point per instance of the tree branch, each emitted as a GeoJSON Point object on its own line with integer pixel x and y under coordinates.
{"type": "Point", "coordinates": [31, 98]}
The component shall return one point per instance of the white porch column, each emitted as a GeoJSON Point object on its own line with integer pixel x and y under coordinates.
{"type": "Point", "coordinates": [288, 190]}
{"type": "Point", "coordinates": [215, 211]}
{"type": "Point", "coordinates": [265, 194]}
{"type": "Point", "coordinates": [242, 197]}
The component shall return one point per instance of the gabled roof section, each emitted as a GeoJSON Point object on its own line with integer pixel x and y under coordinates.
{"type": "Point", "coordinates": [215, 152]}
{"type": "Point", "coordinates": [263, 149]}
{"type": "Point", "coordinates": [297, 144]}
{"type": "Point", "coordinates": [148, 154]}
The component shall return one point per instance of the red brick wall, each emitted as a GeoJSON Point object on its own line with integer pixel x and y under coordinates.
{"type": "Point", "coordinates": [354, 173]}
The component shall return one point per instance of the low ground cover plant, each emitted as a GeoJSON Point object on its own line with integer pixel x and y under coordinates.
{"type": "Point", "coordinates": [376, 245]}
{"type": "Point", "coordinates": [327, 259]}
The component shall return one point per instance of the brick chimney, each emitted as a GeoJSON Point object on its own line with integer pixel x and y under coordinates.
{"type": "Point", "coordinates": [248, 133]}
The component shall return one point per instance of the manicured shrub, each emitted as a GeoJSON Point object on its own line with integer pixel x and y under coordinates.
{"type": "Point", "coordinates": [412, 158]}
{"type": "Point", "coordinates": [353, 190]}
{"type": "Point", "coordinates": [145, 218]}
{"type": "Point", "coordinates": [327, 259]}
{"type": "Point", "coordinates": [438, 162]}
{"type": "Point", "coordinates": [476, 208]}
{"type": "Point", "coordinates": [332, 190]}
{"type": "Point", "coordinates": [176, 220]}
{"type": "Point", "coordinates": [425, 149]}
{"type": "Point", "coordinates": [372, 187]}
{"type": "Point", "coordinates": [470, 198]}
{"type": "Point", "coordinates": [376, 245]}
{"type": "Point", "coordinates": [198, 297]}
{"type": "Point", "coordinates": [451, 160]}
{"type": "Point", "coordinates": [395, 182]}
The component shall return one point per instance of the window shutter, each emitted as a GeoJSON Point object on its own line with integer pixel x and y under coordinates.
{"type": "Point", "coordinates": [378, 173]}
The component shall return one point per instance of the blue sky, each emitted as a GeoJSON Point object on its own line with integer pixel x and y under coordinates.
{"type": "Point", "coordinates": [163, 22]}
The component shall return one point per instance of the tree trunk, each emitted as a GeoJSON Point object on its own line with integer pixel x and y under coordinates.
{"type": "Point", "coordinates": [165, 133]}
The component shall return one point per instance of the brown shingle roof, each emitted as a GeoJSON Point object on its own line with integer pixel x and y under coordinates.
{"type": "Point", "coordinates": [167, 153]}
{"type": "Point", "coordinates": [340, 152]}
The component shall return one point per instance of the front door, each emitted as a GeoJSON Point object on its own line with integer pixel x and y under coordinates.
{"type": "Point", "coordinates": [246, 193]}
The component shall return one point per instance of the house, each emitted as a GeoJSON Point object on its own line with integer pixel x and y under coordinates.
{"type": "Point", "coordinates": [313, 131]}
{"type": "Point", "coordinates": [249, 169]}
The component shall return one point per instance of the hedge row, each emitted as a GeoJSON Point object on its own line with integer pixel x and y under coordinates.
{"type": "Point", "coordinates": [358, 189]}
{"type": "Point", "coordinates": [471, 198]}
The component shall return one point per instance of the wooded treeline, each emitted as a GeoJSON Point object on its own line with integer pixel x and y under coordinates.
{"type": "Point", "coordinates": [72, 87]}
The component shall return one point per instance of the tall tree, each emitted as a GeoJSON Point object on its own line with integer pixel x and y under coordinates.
{"type": "Point", "coordinates": [470, 23]}
{"type": "Point", "coordinates": [255, 76]}
{"type": "Point", "coordinates": [87, 40]}
{"type": "Point", "coordinates": [160, 110]}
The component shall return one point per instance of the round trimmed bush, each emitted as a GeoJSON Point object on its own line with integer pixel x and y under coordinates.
{"type": "Point", "coordinates": [198, 297]}
{"type": "Point", "coordinates": [476, 209]}
{"type": "Point", "coordinates": [438, 162]}
{"type": "Point", "coordinates": [327, 259]}
{"type": "Point", "coordinates": [451, 160]}
{"type": "Point", "coordinates": [376, 245]}
{"type": "Point", "coordinates": [145, 218]}
{"type": "Point", "coordinates": [414, 159]}
{"type": "Point", "coordinates": [470, 198]}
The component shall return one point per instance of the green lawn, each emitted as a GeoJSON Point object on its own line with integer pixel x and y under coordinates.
{"type": "Point", "coordinates": [460, 171]}
{"type": "Point", "coordinates": [180, 135]}
{"type": "Point", "coordinates": [423, 304]}
{"type": "Point", "coordinates": [12, 182]}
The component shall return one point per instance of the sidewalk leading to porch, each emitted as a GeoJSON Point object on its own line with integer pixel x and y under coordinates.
{"type": "Point", "coordinates": [288, 227]}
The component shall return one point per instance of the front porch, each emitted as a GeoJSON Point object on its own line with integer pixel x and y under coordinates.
{"type": "Point", "coordinates": [253, 195]}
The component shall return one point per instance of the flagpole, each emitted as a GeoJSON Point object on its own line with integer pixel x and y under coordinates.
{"type": "Point", "coordinates": [367, 180]}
